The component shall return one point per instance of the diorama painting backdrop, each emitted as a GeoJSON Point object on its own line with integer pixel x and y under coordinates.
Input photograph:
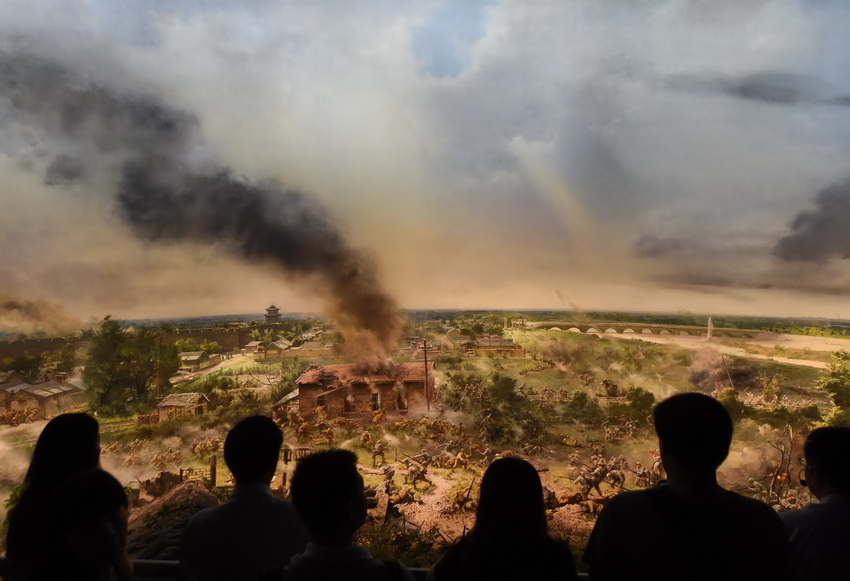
{"type": "Point", "coordinates": [460, 190]}
{"type": "Point", "coordinates": [162, 159]}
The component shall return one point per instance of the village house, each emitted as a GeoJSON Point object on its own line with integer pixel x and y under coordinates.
{"type": "Point", "coordinates": [197, 360]}
{"type": "Point", "coordinates": [50, 398]}
{"type": "Point", "coordinates": [177, 405]}
{"type": "Point", "coordinates": [497, 346]}
{"type": "Point", "coordinates": [313, 349]}
{"type": "Point", "coordinates": [252, 346]}
{"type": "Point", "coordinates": [351, 391]}
{"type": "Point", "coordinates": [286, 404]}
{"type": "Point", "coordinates": [11, 379]}
{"type": "Point", "coordinates": [11, 382]}
{"type": "Point", "coordinates": [273, 350]}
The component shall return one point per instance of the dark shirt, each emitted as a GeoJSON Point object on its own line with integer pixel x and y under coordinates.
{"type": "Point", "coordinates": [253, 530]}
{"type": "Point", "coordinates": [654, 534]}
{"type": "Point", "coordinates": [319, 563]}
{"type": "Point", "coordinates": [471, 559]}
{"type": "Point", "coordinates": [820, 539]}
{"type": "Point", "coordinates": [26, 521]}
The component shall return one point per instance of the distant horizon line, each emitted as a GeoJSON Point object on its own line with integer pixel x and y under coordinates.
{"type": "Point", "coordinates": [294, 315]}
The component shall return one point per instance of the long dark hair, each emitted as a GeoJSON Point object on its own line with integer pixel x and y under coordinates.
{"type": "Point", "coordinates": [511, 503]}
{"type": "Point", "coordinates": [68, 445]}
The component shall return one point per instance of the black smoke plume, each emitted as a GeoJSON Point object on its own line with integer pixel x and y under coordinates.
{"type": "Point", "coordinates": [36, 315]}
{"type": "Point", "coordinates": [821, 233]}
{"type": "Point", "coordinates": [164, 193]}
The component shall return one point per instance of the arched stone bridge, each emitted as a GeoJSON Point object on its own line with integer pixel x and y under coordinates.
{"type": "Point", "coordinates": [644, 328]}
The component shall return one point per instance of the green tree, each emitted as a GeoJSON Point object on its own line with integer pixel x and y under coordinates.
{"type": "Point", "coordinates": [729, 398]}
{"type": "Point", "coordinates": [210, 347]}
{"type": "Point", "coordinates": [187, 345]}
{"type": "Point", "coordinates": [125, 370]}
{"type": "Point", "coordinates": [28, 366]}
{"type": "Point", "coordinates": [640, 400]}
{"type": "Point", "coordinates": [836, 382]}
{"type": "Point", "coordinates": [65, 359]}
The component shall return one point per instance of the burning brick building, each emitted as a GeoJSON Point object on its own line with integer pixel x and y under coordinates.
{"type": "Point", "coordinates": [352, 391]}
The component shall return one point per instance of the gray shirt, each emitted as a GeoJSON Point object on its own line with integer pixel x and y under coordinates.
{"type": "Point", "coordinates": [236, 540]}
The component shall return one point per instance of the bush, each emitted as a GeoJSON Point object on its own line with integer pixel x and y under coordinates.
{"type": "Point", "coordinates": [413, 547]}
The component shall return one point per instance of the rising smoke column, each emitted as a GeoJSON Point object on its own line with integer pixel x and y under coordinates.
{"type": "Point", "coordinates": [821, 233]}
{"type": "Point", "coordinates": [165, 191]}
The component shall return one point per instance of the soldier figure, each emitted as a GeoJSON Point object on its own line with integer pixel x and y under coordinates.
{"type": "Point", "coordinates": [460, 461]}
{"type": "Point", "coordinates": [656, 464]}
{"type": "Point", "coordinates": [415, 472]}
{"type": "Point", "coordinates": [597, 476]}
{"type": "Point", "coordinates": [366, 439]}
{"type": "Point", "coordinates": [389, 472]}
{"type": "Point", "coordinates": [642, 476]}
{"type": "Point", "coordinates": [378, 450]}
{"type": "Point", "coordinates": [616, 478]}
{"type": "Point", "coordinates": [584, 484]}
{"type": "Point", "coordinates": [488, 454]}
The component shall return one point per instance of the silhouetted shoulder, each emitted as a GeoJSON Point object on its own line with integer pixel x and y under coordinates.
{"type": "Point", "coordinates": [820, 536]}
{"type": "Point", "coordinates": [726, 537]}
{"type": "Point", "coordinates": [469, 560]}
{"type": "Point", "coordinates": [253, 526]}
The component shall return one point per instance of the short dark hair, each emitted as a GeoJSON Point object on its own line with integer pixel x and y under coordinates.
{"type": "Point", "coordinates": [827, 451]}
{"type": "Point", "coordinates": [694, 428]}
{"type": "Point", "coordinates": [323, 486]}
{"type": "Point", "coordinates": [252, 448]}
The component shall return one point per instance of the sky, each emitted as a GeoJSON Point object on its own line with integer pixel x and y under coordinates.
{"type": "Point", "coordinates": [664, 155]}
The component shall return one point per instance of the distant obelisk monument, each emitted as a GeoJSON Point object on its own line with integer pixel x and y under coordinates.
{"type": "Point", "coordinates": [708, 334]}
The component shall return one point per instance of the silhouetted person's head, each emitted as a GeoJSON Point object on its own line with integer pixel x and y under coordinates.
{"type": "Point", "coordinates": [327, 491]}
{"type": "Point", "coordinates": [252, 449]}
{"type": "Point", "coordinates": [68, 445]}
{"type": "Point", "coordinates": [827, 453]}
{"type": "Point", "coordinates": [694, 433]}
{"type": "Point", "coordinates": [511, 502]}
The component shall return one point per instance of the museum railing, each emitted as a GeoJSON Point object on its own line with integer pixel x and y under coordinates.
{"type": "Point", "coordinates": [150, 570]}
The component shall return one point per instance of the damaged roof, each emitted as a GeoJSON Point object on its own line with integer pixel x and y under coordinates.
{"type": "Point", "coordinates": [49, 388]}
{"type": "Point", "coordinates": [182, 399]}
{"type": "Point", "coordinates": [346, 374]}
{"type": "Point", "coordinates": [292, 395]}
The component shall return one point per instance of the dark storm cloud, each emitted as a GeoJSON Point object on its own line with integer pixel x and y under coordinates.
{"type": "Point", "coordinates": [821, 233]}
{"type": "Point", "coordinates": [164, 193]}
{"type": "Point", "coordinates": [650, 246]}
{"type": "Point", "coordinates": [63, 170]}
{"type": "Point", "coordinates": [771, 87]}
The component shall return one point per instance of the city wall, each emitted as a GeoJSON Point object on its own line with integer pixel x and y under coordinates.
{"type": "Point", "coordinates": [229, 339]}
{"type": "Point", "coordinates": [31, 347]}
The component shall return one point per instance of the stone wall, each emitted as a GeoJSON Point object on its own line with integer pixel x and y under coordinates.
{"type": "Point", "coordinates": [32, 346]}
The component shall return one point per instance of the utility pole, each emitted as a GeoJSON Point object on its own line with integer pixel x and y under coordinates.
{"type": "Point", "coordinates": [427, 387]}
